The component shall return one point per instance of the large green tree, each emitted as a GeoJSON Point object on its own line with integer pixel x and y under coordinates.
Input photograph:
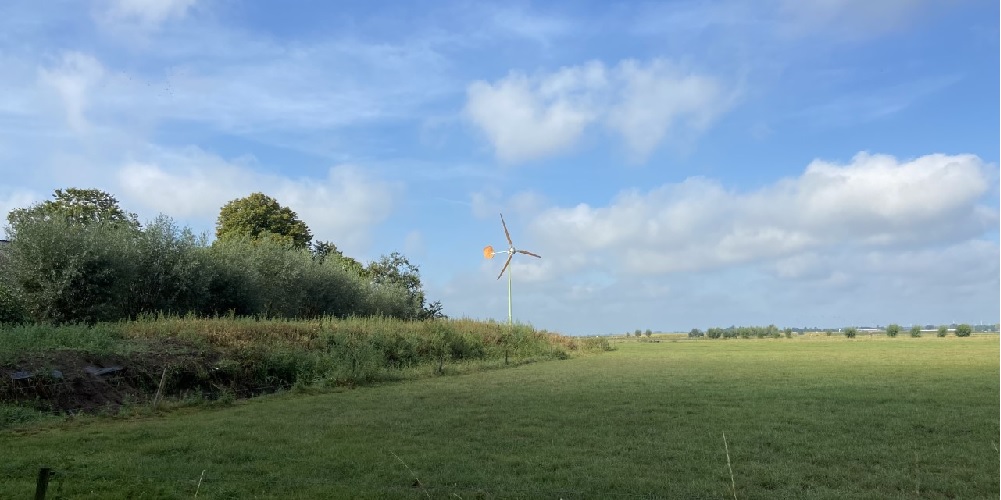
{"type": "Point", "coordinates": [259, 216]}
{"type": "Point", "coordinates": [396, 271]}
{"type": "Point", "coordinates": [74, 205]}
{"type": "Point", "coordinates": [326, 250]}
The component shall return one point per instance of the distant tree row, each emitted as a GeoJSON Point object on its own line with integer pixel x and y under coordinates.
{"type": "Point", "coordinates": [81, 258]}
{"type": "Point", "coordinates": [744, 332]}
{"type": "Point", "coordinates": [639, 333]}
{"type": "Point", "coordinates": [963, 330]}
{"type": "Point", "coordinates": [772, 331]}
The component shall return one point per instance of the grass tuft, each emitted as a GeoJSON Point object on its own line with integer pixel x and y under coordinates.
{"type": "Point", "coordinates": [733, 484]}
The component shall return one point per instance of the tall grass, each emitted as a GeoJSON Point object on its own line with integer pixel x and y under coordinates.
{"type": "Point", "coordinates": [20, 340]}
{"type": "Point", "coordinates": [233, 354]}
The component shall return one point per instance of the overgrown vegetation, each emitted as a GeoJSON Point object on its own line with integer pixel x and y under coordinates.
{"type": "Point", "coordinates": [98, 310]}
{"type": "Point", "coordinates": [81, 258]}
{"type": "Point", "coordinates": [221, 356]}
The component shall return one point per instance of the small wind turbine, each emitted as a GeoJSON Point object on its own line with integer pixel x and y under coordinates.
{"type": "Point", "coordinates": [488, 252]}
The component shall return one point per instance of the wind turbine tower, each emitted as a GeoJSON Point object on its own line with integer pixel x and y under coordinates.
{"type": "Point", "coordinates": [489, 252]}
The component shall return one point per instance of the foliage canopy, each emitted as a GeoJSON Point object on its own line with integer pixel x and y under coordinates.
{"type": "Point", "coordinates": [77, 205]}
{"type": "Point", "coordinates": [261, 216]}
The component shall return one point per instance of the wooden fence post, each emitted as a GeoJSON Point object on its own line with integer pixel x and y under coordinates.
{"type": "Point", "coordinates": [43, 482]}
{"type": "Point", "coordinates": [159, 389]}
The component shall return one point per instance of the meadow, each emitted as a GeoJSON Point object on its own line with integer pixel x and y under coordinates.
{"type": "Point", "coordinates": [808, 417]}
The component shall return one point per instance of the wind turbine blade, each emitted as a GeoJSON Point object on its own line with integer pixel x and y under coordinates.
{"type": "Point", "coordinates": [508, 261]}
{"type": "Point", "coordinates": [509, 242]}
{"type": "Point", "coordinates": [526, 252]}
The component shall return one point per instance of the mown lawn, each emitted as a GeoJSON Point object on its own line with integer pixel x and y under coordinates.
{"type": "Point", "coordinates": [804, 418]}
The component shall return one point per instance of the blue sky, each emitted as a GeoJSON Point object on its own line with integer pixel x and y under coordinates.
{"type": "Point", "coordinates": [677, 164]}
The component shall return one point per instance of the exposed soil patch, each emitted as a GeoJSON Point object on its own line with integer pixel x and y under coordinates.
{"type": "Point", "coordinates": [75, 381]}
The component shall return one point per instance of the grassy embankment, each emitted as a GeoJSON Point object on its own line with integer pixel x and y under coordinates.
{"type": "Point", "coordinates": [111, 366]}
{"type": "Point", "coordinates": [804, 418]}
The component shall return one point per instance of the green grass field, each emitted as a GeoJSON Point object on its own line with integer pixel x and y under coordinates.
{"type": "Point", "coordinates": [804, 418]}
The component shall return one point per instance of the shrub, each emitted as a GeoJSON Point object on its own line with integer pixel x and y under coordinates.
{"type": "Point", "coordinates": [648, 332]}
{"type": "Point", "coordinates": [850, 332]}
{"type": "Point", "coordinates": [64, 271]}
{"type": "Point", "coordinates": [695, 333]}
{"type": "Point", "coordinates": [788, 333]}
{"type": "Point", "coordinates": [964, 330]}
{"type": "Point", "coordinates": [11, 309]}
{"type": "Point", "coordinates": [638, 333]}
{"type": "Point", "coordinates": [943, 331]}
{"type": "Point", "coordinates": [599, 344]}
{"type": "Point", "coordinates": [773, 331]}
{"type": "Point", "coordinates": [892, 330]}
{"type": "Point", "coordinates": [170, 275]}
{"type": "Point", "coordinates": [915, 331]}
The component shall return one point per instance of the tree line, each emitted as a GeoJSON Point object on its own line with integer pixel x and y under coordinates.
{"type": "Point", "coordinates": [80, 257]}
{"type": "Point", "coordinates": [772, 331]}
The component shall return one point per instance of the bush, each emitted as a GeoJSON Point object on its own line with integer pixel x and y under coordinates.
{"type": "Point", "coordinates": [964, 330]}
{"type": "Point", "coordinates": [943, 331]}
{"type": "Point", "coordinates": [695, 333]}
{"type": "Point", "coordinates": [648, 332]}
{"type": "Point", "coordinates": [892, 330]}
{"type": "Point", "coordinates": [773, 331]}
{"type": "Point", "coordinates": [62, 271]}
{"type": "Point", "coordinates": [11, 309]}
{"type": "Point", "coordinates": [788, 333]}
{"type": "Point", "coordinates": [851, 332]}
{"type": "Point", "coordinates": [170, 275]}
{"type": "Point", "coordinates": [915, 331]}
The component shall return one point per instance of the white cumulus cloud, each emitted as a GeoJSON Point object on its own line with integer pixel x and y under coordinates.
{"type": "Point", "coordinates": [530, 117]}
{"type": "Point", "coordinates": [343, 207]}
{"type": "Point", "coordinates": [875, 201]}
{"type": "Point", "coordinates": [527, 118]}
{"type": "Point", "coordinates": [659, 98]}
